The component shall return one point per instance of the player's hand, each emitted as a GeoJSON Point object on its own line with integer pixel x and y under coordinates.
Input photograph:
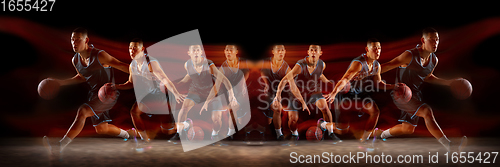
{"type": "Point", "coordinates": [234, 104]}
{"type": "Point", "coordinates": [179, 97]}
{"type": "Point", "coordinates": [330, 97]}
{"type": "Point", "coordinates": [304, 107]}
{"type": "Point", "coordinates": [266, 88]}
{"type": "Point", "coordinates": [276, 104]}
{"type": "Point", "coordinates": [204, 107]}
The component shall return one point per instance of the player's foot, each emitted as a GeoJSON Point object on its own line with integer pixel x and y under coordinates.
{"type": "Point", "coordinates": [132, 133]}
{"type": "Point", "coordinates": [332, 137]}
{"type": "Point", "coordinates": [281, 138]}
{"type": "Point", "coordinates": [47, 145]}
{"type": "Point", "coordinates": [54, 149]}
{"type": "Point", "coordinates": [458, 147]}
{"type": "Point", "coordinates": [190, 124]}
{"type": "Point", "coordinates": [174, 139]}
{"type": "Point", "coordinates": [217, 140]}
{"type": "Point", "coordinates": [293, 140]}
{"type": "Point", "coordinates": [318, 124]}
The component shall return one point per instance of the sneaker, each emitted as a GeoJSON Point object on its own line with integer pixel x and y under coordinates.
{"type": "Point", "coordinates": [174, 139]}
{"type": "Point", "coordinates": [132, 133]}
{"type": "Point", "coordinates": [280, 138]}
{"type": "Point", "coordinates": [293, 140]}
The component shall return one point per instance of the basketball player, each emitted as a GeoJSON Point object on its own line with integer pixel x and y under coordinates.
{"type": "Point", "coordinates": [93, 66]}
{"type": "Point", "coordinates": [273, 71]}
{"type": "Point", "coordinates": [147, 72]}
{"type": "Point", "coordinates": [363, 76]}
{"type": "Point", "coordinates": [308, 72]}
{"type": "Point", "coordinates": [414, 67]}
{"type": "Point", "coordinates": [201, 70]}
{"type": "Point", "coordinates": [236, 70]}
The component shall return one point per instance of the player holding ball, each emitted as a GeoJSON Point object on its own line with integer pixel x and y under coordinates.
{"type": "Point", "coordinates": [414, 67]}
{"type": "Point", "coordinates": [94, 67]}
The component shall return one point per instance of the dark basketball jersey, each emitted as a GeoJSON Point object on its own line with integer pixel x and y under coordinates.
{"type": "Point", "coordinates": [309, 82]}
{"type": "Point", "coordinates": [94, 73]}
{"type": "Point", "coordinates": [202, 82]}
{"type": "Point", "coordinates": [414, 74]}
{"type": "Point", "coordinates": [274, 78]}
{"type": "Point", "coordinates": [363, 78]}
{"type": "Point", "coordinates": [234, 75]}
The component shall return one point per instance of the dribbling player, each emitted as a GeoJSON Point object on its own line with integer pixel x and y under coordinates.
{"type": "Point", "coordinates": [414, 67]}
{"type": "Point", "coordinates": [308, 72]}
{"type": "Point", "coordinates": [363, 76]}
{"type": "Point", "coordinates": [147, 72]}
{"type": "Point", "coordinates": [94, 67]}
{"type": "Point", "coordinates": [202, 89]}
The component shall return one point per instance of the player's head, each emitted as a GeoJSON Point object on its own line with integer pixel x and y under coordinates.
{"type": "Point", "coordinates": [279, 52]}
{"type": "Point", "coordinates": [430, 39]}
{"type": "Point", "coordinates": [79, 39]}
{"type": "Point", "coordinates": [195, 52]}
{"type": "Point", "coordinates": [373, 48]}
{"type": "Point", "coordinates": [136, 47]}
{"type": "Point", "coordinates": [314, 52]}
{"type": "Point", "coordinates": [230, 52]}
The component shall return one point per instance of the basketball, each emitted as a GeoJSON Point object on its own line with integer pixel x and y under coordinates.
{"type": "Point", "coordinates": [314, 134]}
{"type": "Point", "coordinates": [108, 93]}
{"type": "Point", "coordinates": [461, 88]}
{"type": "Point", "coordinates": [48, 88]}
{"type": "Point", "coordinates": [402, 93]}
{"type": "Point", "coordinates": [195, 134]}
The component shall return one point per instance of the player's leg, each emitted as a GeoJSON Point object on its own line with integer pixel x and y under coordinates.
{"type": "Point", "coordinates": [293, 117]}
{"type": "Point", "coordinates": [216, 123]}
{"type": "Point", "coordinates": [83, 113]}
{"type": "Point", "coordinates": [430, 122]}
{"type": "Point", "coordinates": [135, 114]}
{"type": "Point", "coordinates": [372, 110]}
{"type": "Point", "coordinates": [327, 114]}
{"type": "Point", "coordinates": [276, 108]}
{"type": "Point", "coordinates": [186, 106]}
{"type": "Point", "coordinates": [328, 120]}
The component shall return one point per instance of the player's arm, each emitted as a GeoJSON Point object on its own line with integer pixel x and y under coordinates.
{"type": "Point", "coordinates": [219, 77]}
{"type": "Point", "coordinates": [323, 77]}
{"type": "Point", "coordinates": [158, 72]}
{"type": "Point", "coordinates": [293, 87]}
{"type": "Point", "coordinates": [105, 58]}
{"type": "Point", "coordinates": [431, 78]}
{"type": "Point", "coordinates": [186, 78]}
{"type": "Point", "coordinates": [403, 59]}
{"type": "Point", "coordinates": [354, 68]}
{"type": "Point", "coordinates": [78, 78]}
{"type": "Point", "coordinates": [380, 83]}
{"type": "Point", "coordinates": [127, 85]}
{"type": "Point", "coordinates": [71, 81]}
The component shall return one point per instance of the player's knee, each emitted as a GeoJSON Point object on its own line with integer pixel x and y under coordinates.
{"type": "Point", "coordinates": [84, 111]}
{"type": "Point", "coordinates": [101, 129]}
{"type": "Point", "coordinates": [426, 112]}
{"type": "Point", "coordinates": [371, 109]}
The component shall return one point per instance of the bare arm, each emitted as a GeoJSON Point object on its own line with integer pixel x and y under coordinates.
{"type": "Point", "coordinates": [107, 59]}
{"type": "Point", "coordinates": [187, 77]}
{"type": "Point", "coordinates": [431, 78]}
{"type": "Point", "coordinates": [381, 84]}
{"type": "Point", "coordinates": [401, 60]}
{"type": "Point", "coordinates": [354, 68]}
{"type": "Point", "coordinates": [127, 85]}
{"type": "Point", "coordinates": [293, 87]}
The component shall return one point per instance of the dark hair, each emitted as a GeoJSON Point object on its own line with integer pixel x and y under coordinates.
{"type": "Point", "coordinates": [138, 40]}
{"type": "Point", "coordinates": [428, 30]}
{"type": "Point", "coordinates": [81, 30]}
{"type": "Point", "coordinates": [371, 40]}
